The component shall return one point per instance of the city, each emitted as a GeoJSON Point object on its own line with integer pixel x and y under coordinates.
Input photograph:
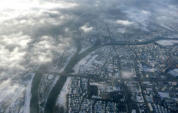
{"type": "Point", "coordinates": [88, 56]}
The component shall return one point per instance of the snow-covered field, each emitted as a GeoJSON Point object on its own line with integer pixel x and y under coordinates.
{"type": "Point", "coordinates": [128, 74]}
{"type": "Point", "coordinates": [28, 96]}
{"type": "Point", "coordinates": [87, 62]}
{"type": "Point", "coordinates": [148, 69]}
{"type": "Point", "coordinates": [174, 72]}
{"type": "Point", "coordinates": [61, 101]}
{"type": "Point", "coordinates": [167, 42]}
{"type": "Point", "coordinates": [164, 94]}
{"type": "Point", "coordinates": [103, 87]}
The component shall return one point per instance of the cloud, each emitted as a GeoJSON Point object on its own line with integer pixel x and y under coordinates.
{"type": "Point", "coordinates": [145, 12]}
{"type": "Point", "coordinates": [86, 28]}
{"type": "Point", "coordinates": [9, 93]}
{"type": "Point", "coordinates": [13, 50]}
{"type": "Point", "coordinates": [124, 22]}
{"type": "Point", "coordinates": [35, 4]}
{"type": "Point", "coordinates": [167, 17]}
{"type": "Point", "coordinates": [31, 34]}
{"type": "Point", "coordinates": [43, 50]}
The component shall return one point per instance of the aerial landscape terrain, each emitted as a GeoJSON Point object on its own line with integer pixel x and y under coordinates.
{"type": "Point", "coordinates": [88, 56]}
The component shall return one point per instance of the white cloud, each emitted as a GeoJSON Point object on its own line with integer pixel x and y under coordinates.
{"type": "Point", "coordinates": [18, 54]}
{"type": "Point", "coordinates": [13, 50]}
{"type": "Point", "coordinates": [42, 52]}
{"type": "Point", "coordinates": [140, 18]}
{"type": "Point", "coordinates": [167, 17]}
{"type": "Point", "coordinates": [124, 22]}
{"type": "Point", "coordinates": [31, 10]}
{"type": "Point", "coordinates": [17, 39]}
{"type": "Point", "coordinates": [10, 92]}
{"type": "Point", "coordinates": [86, 28]}
{"type": "Point", "coordinates": [32, 4]}
{"type": "Point", "coordinates": [145, 12]}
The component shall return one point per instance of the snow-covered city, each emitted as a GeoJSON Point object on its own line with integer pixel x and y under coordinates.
{"type": "Point", "coordinates": [88, 56]}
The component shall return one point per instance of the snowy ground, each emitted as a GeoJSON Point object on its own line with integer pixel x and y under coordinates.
{"type": "Point", "coordinates": [61, 101]}
{"type": "Point", "coordinates": [128, 74]}
{"type": "Point", "coordinates": [148, 69]}
{"type": "Point", "coordinates": [167, 42]}
{"type": "Point", "coordinates": [174, 72]}
{"type": "Point", "coordinates": [103, 87]}
{"type": "Point", "coordinates": [28, 96]}
{"type": "Point", "coordinates": [164, 94]}
{"type": "Point", "coordinates": [87, 62]}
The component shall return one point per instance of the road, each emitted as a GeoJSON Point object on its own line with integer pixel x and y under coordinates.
{"type": "Point", "coordinates": [138, 73]}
